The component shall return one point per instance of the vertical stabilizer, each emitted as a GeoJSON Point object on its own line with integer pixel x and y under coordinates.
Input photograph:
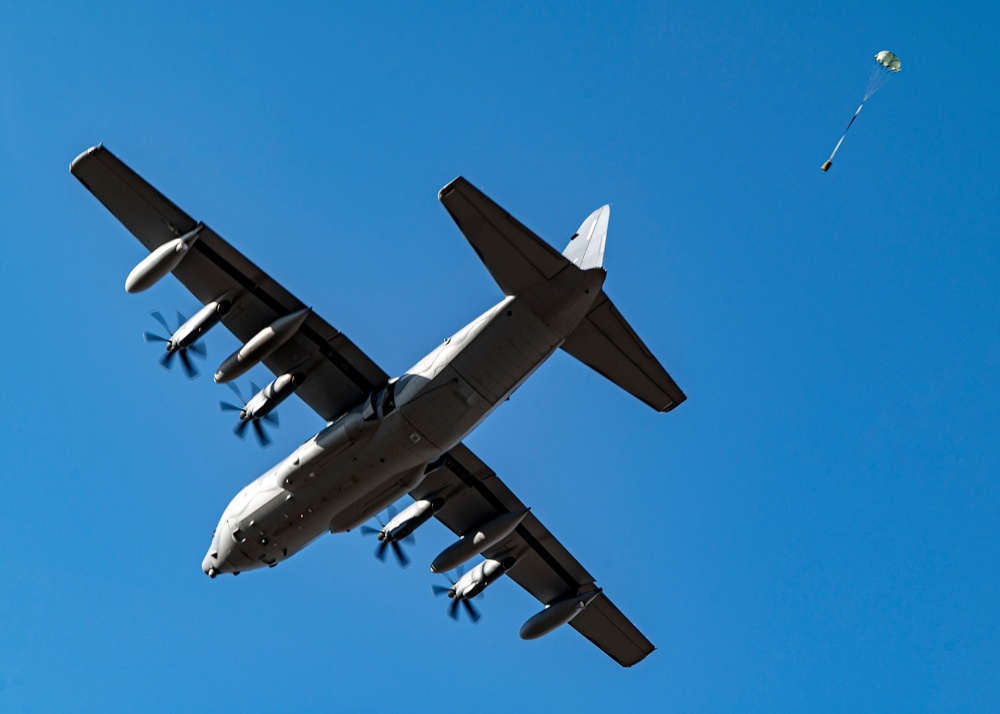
{"type": "Point", "coordinates": [586, 248]}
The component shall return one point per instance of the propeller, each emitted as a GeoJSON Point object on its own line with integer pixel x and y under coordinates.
{"type": "Point", "coordinates": [474, 614]}
{"type": "Point", "coordinates": [384, 541]}
{"type": "Point", "coordinates": [172, 349]}
{"type": "Point", "coordinates": [247, 417]}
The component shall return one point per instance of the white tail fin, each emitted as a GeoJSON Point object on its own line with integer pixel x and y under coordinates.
{"type": "Point", "coordinates": [586, 248]}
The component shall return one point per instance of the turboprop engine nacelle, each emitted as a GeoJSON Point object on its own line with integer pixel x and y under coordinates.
{"type": "Point", "coordinates": [160, 262]}
{"type": "Point", "coordinates": [556, 614]}
{"type": "Point", "coordinates": [409, 519]}
{"type": "Point", "coordinates": [472, 544]}
{"type": "Point", "coordinates": [480, 577]}
{"type": "Point", "coordinates": [261, 345]}
{"type": "Point", "coordinates": [205, 319]}
{"type": "Point", "coordinates": [264, 402]}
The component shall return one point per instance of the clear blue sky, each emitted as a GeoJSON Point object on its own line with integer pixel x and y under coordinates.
{"type": "Point", "coordinates": [816, 528]}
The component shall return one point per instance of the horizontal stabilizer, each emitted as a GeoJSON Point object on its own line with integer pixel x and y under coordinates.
{"type": "Point", "coordinates": [516, 257]}
{"type": "Point", "coordinates": [606, 342]}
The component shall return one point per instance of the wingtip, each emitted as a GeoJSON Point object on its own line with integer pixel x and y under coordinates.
{"type": "Point", "coordinates": [83, 156]}
{"type": "Point", "coordinates": [676, 402]}
{"type": "Point", "coordinates": [451, 186]}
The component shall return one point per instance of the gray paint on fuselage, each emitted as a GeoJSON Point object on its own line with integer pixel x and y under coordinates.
{"type": "Point", "coordinates": [352, 469]}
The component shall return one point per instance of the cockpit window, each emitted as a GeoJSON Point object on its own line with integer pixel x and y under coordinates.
{"type": "Point", "coordinates": [388, 399]}
{"type": "Point", "coordinates": [381, 403]}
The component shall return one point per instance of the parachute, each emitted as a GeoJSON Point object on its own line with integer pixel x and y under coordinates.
{"type": "Point", "coordinates": [887, 64]}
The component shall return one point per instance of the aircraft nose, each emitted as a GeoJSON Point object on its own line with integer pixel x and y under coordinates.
{"type": "Point", "coordinates": [209, 566]}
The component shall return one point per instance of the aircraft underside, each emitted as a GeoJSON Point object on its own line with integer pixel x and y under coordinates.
{"type": "Point", "coordinates": [381, 450]}
{"type": "Point", "coordinates": [386, 438]}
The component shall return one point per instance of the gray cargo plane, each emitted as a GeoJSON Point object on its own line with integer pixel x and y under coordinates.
{"type": "Point", "coordinates": [386, 438]}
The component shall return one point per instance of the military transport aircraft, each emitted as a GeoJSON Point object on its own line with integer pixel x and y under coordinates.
{"type": "Point", "coordinates": [386, 438]}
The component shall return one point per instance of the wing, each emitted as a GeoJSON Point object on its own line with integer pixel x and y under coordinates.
{"type": "Point", "coordinates": [338, 374]}
{"type": "Point", "coordinates": [544, 567]}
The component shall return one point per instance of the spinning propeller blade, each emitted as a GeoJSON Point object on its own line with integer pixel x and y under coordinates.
{"type": "Point", "coordinates": [165, 361]}
{"type": "Point", "coordinates": [262, 437]}
{"type": "Point", "coordinates": [400, 555]}
{"type": "Point", "coordinates": [473, 612]}
{"type": "Point", "coordinates": [159, 318]}
{"type": "Point", "coordinates": [456, 601]}
{"type": "Point", "coordinates": [198, 349]}
{"type": "Point", "coordinates": [189, 369]}
{"type": "Point", "coordinates": [236, 391]}
{"type": "Point", "coordinates": [384, 541]}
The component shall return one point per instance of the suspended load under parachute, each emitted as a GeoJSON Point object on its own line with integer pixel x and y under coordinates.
{"type": "Point", "coordinates": [886, 65]}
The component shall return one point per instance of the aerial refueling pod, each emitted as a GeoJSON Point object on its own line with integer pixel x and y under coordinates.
{"type": "Point", "coordinates": [556, 614]}
{"type": "Point", "coordinates": [474, 543]}
{"type": "Point", "coordinates": [261, 345]}
{"type": "Point", "coordinates": [160, 262]}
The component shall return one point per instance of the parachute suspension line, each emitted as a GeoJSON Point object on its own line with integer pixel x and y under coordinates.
{"type": "Point", "coordinates": [880, 75]}
{"type": "Point", "coordinates": [826, 166]}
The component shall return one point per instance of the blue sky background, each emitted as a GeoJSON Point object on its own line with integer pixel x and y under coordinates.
{"type": "Point", "coordinates": [815, 529]}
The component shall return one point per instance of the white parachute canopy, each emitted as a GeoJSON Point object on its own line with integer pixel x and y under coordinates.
{"type": "Point", "coordinates": [887, 64]}
{"type": "Point", "coordinates": [889, 60]}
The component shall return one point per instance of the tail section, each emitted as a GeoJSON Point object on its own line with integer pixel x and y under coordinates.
{"type": "Point", "coordinates": [604, 341]}
{"type": "Point", "coordinates": [519, 260]}
{"type": "Point", "coordinates": [586, 247]}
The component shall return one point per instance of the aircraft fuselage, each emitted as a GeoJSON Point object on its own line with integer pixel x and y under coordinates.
{"type": "Point", "coordinates": [379, 450]}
